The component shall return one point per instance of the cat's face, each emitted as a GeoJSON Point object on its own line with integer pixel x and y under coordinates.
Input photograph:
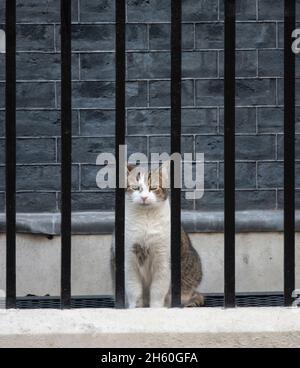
{"type": "Point", "coordinates": [146, 188]}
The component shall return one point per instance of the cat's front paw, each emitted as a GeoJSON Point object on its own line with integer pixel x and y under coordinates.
{"type": "Point", "coordinates": [157, 304]}
{"type": "Point", "coordinates": [135, 303]}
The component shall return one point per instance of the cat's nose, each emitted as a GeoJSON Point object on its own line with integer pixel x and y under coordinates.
{"type": "Point", "coordinates": [144, 198]}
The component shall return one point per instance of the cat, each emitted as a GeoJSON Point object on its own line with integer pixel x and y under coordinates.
{"type": "Point", "coordinates": [147, 244]}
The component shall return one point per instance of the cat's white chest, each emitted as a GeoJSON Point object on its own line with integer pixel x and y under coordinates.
{"type": "Point", "coordinates": [148, 229]}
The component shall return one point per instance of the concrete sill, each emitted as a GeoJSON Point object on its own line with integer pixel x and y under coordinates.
{"type": "Point", "coordinates": [93, 223]}
{"type": "Point", "coordinates": [203, 327]}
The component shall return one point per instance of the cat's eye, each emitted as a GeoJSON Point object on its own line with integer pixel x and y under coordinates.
{"type": "Point", "coordinates": [153, 189]}
{"type": "Point", "coordinates": [135, 187]}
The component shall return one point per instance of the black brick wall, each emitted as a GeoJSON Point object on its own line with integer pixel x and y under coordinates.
{"type": "Point", "coordinates": [259, 142]}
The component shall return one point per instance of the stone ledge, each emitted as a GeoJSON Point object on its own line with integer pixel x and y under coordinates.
{"type": "Point", "coordinates": [204, 327]}
{"type": "Point", "coordinates": [93, 223]}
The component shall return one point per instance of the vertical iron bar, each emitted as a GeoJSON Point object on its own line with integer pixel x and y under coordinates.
{"type": "Point", "coordinates": [289, 151]}
{"type": "Point", "coordinates": [10, 151]}
{"type": "Point", "coordinates": [120, 140]}
{"type": "Point", "coordinates": [229, 153]}
{"type": "Point", "coordinates": [176, 61]}
{"type": "Point", "coordinates": [66, 152]}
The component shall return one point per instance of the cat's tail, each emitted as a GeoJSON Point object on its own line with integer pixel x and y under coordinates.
{"type": "Point", "coordinates": [196, 300]}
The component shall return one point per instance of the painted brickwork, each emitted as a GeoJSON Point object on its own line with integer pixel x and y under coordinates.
{"type": "Point", "coordinates": [259, 141]}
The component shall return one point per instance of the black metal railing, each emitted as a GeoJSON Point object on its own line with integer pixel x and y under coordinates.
{"type": "Point", "coordinates": [229, 151]}
{"type": "Point", "coordinates": [289, 152]}
{"type": "Point", "coordinates": [120, 140]}
{"type": "Point", "coordinates": [66, 152]}
{"type": "Point", "coordinates": [229, 154]}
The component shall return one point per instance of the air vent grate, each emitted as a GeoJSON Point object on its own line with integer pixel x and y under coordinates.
{"type": "Point", "coordinates": [107, 301]}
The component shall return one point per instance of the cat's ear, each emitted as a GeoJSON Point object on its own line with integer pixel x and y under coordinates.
{"type": "Point", "coordinates": [130, 168]}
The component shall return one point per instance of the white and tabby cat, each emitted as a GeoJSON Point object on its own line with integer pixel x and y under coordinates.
{"type": "Point", "coordinates": [147, 245]}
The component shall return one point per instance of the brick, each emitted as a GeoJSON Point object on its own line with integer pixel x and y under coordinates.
{"type": "Point", "coordinates": [148, 101]}
{"type": "Point", "coordinates": [270, 9]}
{"type": "Point", "coordinates": [161, 144]}
{"type": "Point", "coordinates": [42, 178]}
{"type": "Point", "coordinates": [136, 144]}
{"type": "Point", "coordinates": [97, 122]}
{"type": "Point", "coordinates": [255, 92]}
{"type": "Point", "coordinates": [245, 10]}
{"type": "Point", "coordinates": [2, 202]}
{"type": "Point", "coordinates": [88, 177]}
{"type": "Point", "coordinates": [33, 151]}
{"type": "Point", "coordinates": [90, 37]}
{"type": "Point", "coordinates": [210, 176]}
{"type": "Point", "coordinates": [91, 94]}
{"type": "Point", "coordinates": [136, 37]}
{"type": "Point", "coordinates": [148, 11]}
{"type": "Point", "coordinates": [245, 175]}
{"type": "Point", "coordinates": [195, 121]}
{"type": "Point", "coordinates": [2, 95]}
{"type": "Point", "coordinates": [148, 65]}
{"type": "Point", "coordinates": [86, 150]}
{"type": "Point", "coordinates": [210, 36]}
{"type": "Point", "coordinates": [186, 204]}
{"type": "Point", "coordinates": [209, 92]}
{"type": "Point", "coordinates": [211, 201]}
{"type": "Point", "coordinates": [97, 11]}
{"type": "Point", "coordinates": [246, 63]}
{"type": "Point", "coordinates": [37, 66]}
{"type": "Point", "coordinates": [255, 200]}
{"type": "Point", "coordinates": [270, 120]}
{"type": "Point", "coordinates": [35, 95]}
{"type": "Point", "coordinates": [270, 174]}
{"type": "Point", "coordinates": [201, 10]}
{"type": "Point", "coordinates": [35, 37]}
{"type": "Point", "coordinates": [159, 36]}
{"type": "Point", "coordinates": [148, 121]}
{"type": "Point", "coordinates": [31, 123]}
{"type": "Point", "coordinates": [92, 201]}
{"type": "Point", "coordinates": [36, 202]}
{"type": "Point", "coordinates": [2, 123]}
{"type": "Point", "coordinates": [2, 11]}
{"type": "Point", "coordinates": [199, 64]}
{"type": "Point", "coordinates": [160, 93]}
{"type": "Point", "coordinates": [2, 181]}
{"type": "Point", "coordinates": [256, 35]}
{"type": "Point", "coordinates": [270, 63]}
{"type": "Point", "coordinates": [136, 94]}
{"type": "Point", "coordinates": [42, 11]}
{"type": "Point", "coordinates": [97, 66]}
{"type": "Point", "coordinates": [211, 145]}
{"type": "Point", "coordinates": [2, 184]}
{"type": "Point", "coordinates": [255, 147]}
{"type": "Point", "coordinates": [245, 120]}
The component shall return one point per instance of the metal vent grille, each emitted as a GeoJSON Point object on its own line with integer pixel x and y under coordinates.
{"type": "Point", "coordinates": [107, 301]}
{"type": "Point", "coordinates": [248, 300]}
